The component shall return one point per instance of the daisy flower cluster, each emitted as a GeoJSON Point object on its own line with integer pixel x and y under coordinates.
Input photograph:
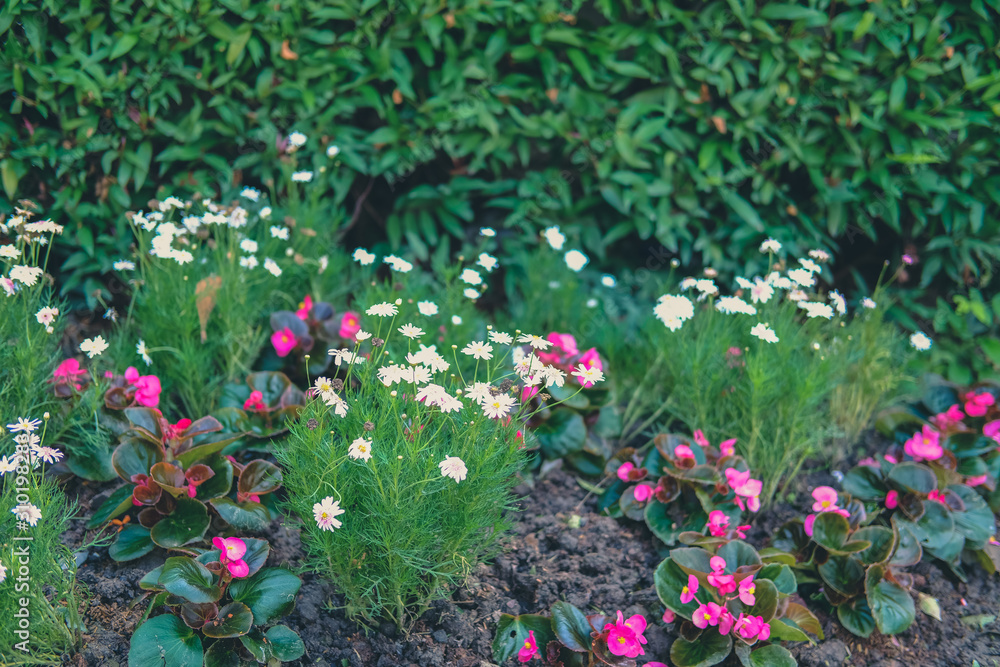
{"type": "Point", "coordinates": [23, 256]}
{"type": "Point", "coordinates": [752, 294]}
{"type": "Point", "coordinates": [29, 454]}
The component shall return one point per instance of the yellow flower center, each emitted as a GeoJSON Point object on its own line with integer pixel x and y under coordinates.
{"type": "Point", "coordinates": [362, 449]}
{"type": "Point", "coordinates": [302, 304]}
{"type": "Point", "coordinates": [752, 589]}
{"type": "Point", "coordinates": [621, 640]}
{"type": "Point", "coordinates": [284, 339]}
{"type": "Point", "coordinates": [825, 504]}
{"type": "Point", "coordinates": [350, 322]}
{"type": "Point", "coordinates": [324, 515]}
{"type": "Point", "coordinates": [708, 616]}
{"type": "Point", "coordinates": [685, 590]}
{"type": "Point", "coordinates": [527, 644]}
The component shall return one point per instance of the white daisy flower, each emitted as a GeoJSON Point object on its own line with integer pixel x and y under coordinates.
{"type": "Point", "coordinates": [363, 257]}
{"type": "Point", "coordinates": [536, 342]}
{"type": "Point", "coordinates": [23, 425]}
{"type": "Point", "coordinates": [803, 277]}
{"type": "Point", "coordinates": [382, 310]}
{"type": "Point", "coordinates": [411, 331]}
{"type": "Point", "coordinates": [734, 304]}
{"type": "Point", "coordinates": [456, 319]}
{"type": "Point", "coordinates": [820, 255]}
{"type": "Point", "coordinates": [588, 375]}
{"type": "Point", "coordinates": [27, 512]}
{"type": "Point", "coordinates": [252, 194]}
{"type": "Point", "coordinates": [124, 265]}
{"type": "Point", "coordinates": [326, 513]}
{"type": "Point", "coordinates": [867, 302]}
{"type": "Point", "coordinates": [471, 276]}
{"type": "Point", "coordinates": [839, 302]}
{"type": "Point", "coordinates": [26, 275]}
{"type": "Point", "coordinates": [770, 245]}
{"type": "Point", "coordinates": [761, 291]}
{"type": "Point", "coordinates": [810, 265]}
{"type": "Point", "coordinates": [497, 407]}
{"type": "Point", "coordinates": [249, 262]}
{"type": "Point", "coordinates": [94, 347]}
{"type": "Point", "coordinates": [265, 213]}
{"type": "Point", "coordinates": [479, 350]}
{"type": "Point", "coordinates": [248, 245]}
{"type": "Point", "coordinates": [360, 449]}
{"type": "Point", "coordinates": [427, 308]}
{"type": "Point", "coordinates": [47, 316]}
{"type": "Point", "coordinates": [576, 260]}
{"type": "Point", "coordinates": [362, 335]}
{"type": "Point", "coordinates": [332, 151]}
{"type": "Point", "coordinates": [814, 309]}
{"type": "Point", "coordinates": [453, 467]}
{"type": "Point", "coordinates": [500, 338]}
{"type": "Point", "coordinates": [9, 251]}
{"type": "Point", "coordinates": [764, 332]}
{"type": "Point", "coordinates": [302, 176]}
{"type": "Point", "coordinates": [487, 231]}
{"type": "Point", "coordinates": [297, 139]}
{"type": "Point", "coordinates": [272, 267]}
{"type": "Point", "coordinates": [555, 238]}
{"type": "Point", "coordinates": [279, 232]}
{"type": "Point", "coordinates": [488, 262]}
{"type": "Point", "coordinates": [140, 349]}
{"type": "Point", "coordinates": [608, 280]}
{"type": "Point", "coordinates": [920, 341]}
{"type": "Point", "coordinates": [470, 293]}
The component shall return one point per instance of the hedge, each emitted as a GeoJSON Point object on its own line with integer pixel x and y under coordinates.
{"type": "Point", "coordinates": [699, 126]}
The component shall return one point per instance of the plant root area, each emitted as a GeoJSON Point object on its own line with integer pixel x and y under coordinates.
{"type": "Point", "coordinates": [560, 549]}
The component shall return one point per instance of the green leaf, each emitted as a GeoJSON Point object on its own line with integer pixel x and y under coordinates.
{"type": "Point", "coordinates": [856, 617]}
{"type": "Point", "coordinates": [222, 654]}
{"type": "Point", "coordinates": [563, 433]}
{"type": "Point", "coordinates": [571, 627]}
{"type": "Point", "coordinates": [864, 483]}
{"type": "Point", "coordinates": [738, 553]}
{"type": "Point", "coordinates": [132, 542]}
{"type": "Point", "coordinates": [259, 477]}
{"type": "Point", "coordinates": [512, 633]}
{"type": "Point", "coordinates": [766, 603]}
{"type": "Point", "coordinates": [187, 578]}
{"type": "Point", "coordinates": [976, 522]}
{"type": "Point", "coordinates": [234, 620]}
{"type": "Point", "coordinates": [891, 604]}
{"type": "Point", "coordinates": [882, 543]}
{"type": "Point", "coordinates": [186, 524]}
{"type": "Point", "coordinates": [117, 504]}
{"type": "Point", "coordinates": [245, 516]}
{"type": "Point", "coordinates": [803, 618]}
{"type": "Point", "coordinates": [772, 656]}
{"type": "Point", "coordinates": [151, 580]}
{"type": "Point", "coordinates": [843, 574]}
{"type": "Point", "coordinates": [165, 641]}
{"type": "Point", "coordinates": [709, 649]}
{"type": "Point", "coordinates": [781, 575]}
{"type": "Point", "coordinates": [9, 176]}
{"type": "Point", "coordinates": [914, 476]}
{"type": "Point", "coordinates": [123, 46]}
{"type": "Point", "coordinates": [830, 530]}
{"type": "Point", "coordinates": [93, 465]}
{"type": "Point", "coordinates": [270, 593]}
{"type": "Point", "coordinates": [785, 631]}
{"type": "Point", "coordinates": [670, 580]}
{"type": "Point", "coordinates": [257, 645]}
{"type": "Point", "coordinates": [135, 456]}
{"type": "Point", "coordinates": [286, 643]}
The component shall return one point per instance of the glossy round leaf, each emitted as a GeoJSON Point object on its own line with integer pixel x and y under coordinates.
{"type": "Point", "coordinates": [234, 620]}
{"type": "Point", "coordinates": [145, 419]}
{"type": "Point", "coordinates": [259, 477]}
{"type": "Point", "coordinates": [856, 617]}
{"type": "Point", "coordinates": [186, 524]}
{"type": "Point", "coordinates": [830, 530]}
{"type": "Point", "coordinates": [737, 554]}
{"type": "Point", "coordinates": [864, 483]}
{"type": "Point", "coordinates": [222, 654]}
{"type": "Point", "coordinates": [670, 580]}
{"type": "Point", "coordinates": [190, 580]}
{"type": "Point", "coordinates": [117, 504]}
{"type": "Point", "coordinates": [260, 649]}
{"type": "Point", "coordinates": [881, 540]}
{"type": "Point", "coordinates": [709, 649]}
{"type": "Point", "coordinates": [803, 618]}
{"type": "Point", "coordinates": [914, 476]}
{"type": "Point", "coordinates": [772, 655]}
{"type": "Point", "coordinates": [766, 603]}
{"type": "Point", "coordinates": [976, 522]}
{"type": "Point", "coordinates": [246, 516]}
{"type": "Point", "coordinates": [132, 542]}
{"type": "Point", "coordinates": [512, 633]}
{"type": "Point", "coordinates": [165, 641]}
{"type": "Point", "coordinates": [285, 643]}
{"type": "Point", "coordinates": [270, 593]}
{"type": "Point", "coordinates": [844, 574]}
{"type": "Point", "coordinates": [781, 575]}
{"type": "Point", "coordinates": [219, 484]}
{"type": "Point", "coordinates": [891, 604]}
{"type": "Point", "coordinates": [135, 456]}
{"type": "Point", "coordinates": [94, 465]}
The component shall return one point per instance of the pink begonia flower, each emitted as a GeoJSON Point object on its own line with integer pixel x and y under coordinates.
{"type": "Point", "coordinates": [689, 591]}
{"type": "Point", "coordinates": [350, 324]}
{"type": "Point", "coordinates": [924, 445]}
{"type": "Point", "coordinates": [147, 387]}
{"type": "Point", "coordinates": [304, 308]}
{"type": "Point", "coordinates": [953, 416]}
{"type": "Point", "coordinates": [528, 392]}
{"type": "Point", "coordinates": [669, 617]}
{"type": "Point", "coordinates": [977, 480]}
{"type": "Point", "coordinates": [741, 531]}
{"type": "Point", "coordinates": [718, 523]}
{"type": "Point", "coordinates": [255, 403]}
{"type": "Point", "coordinates": [825, 497]}
{"type": "Point", "coordinates": [624, 469]}
{"type": "Point", "coordinates": [747, 591]}
{"type": "Point", "coordinates": [654, 664]}
{"type": "Point", "coordinates": [284, 341]}
{"type": "Point", "coordinates": [938, 496]}
{"type": "Point", "coordinates": [725, 583]}
{"type": "Point", "coordinates": [891, 459]}
{"type": "Point", "coordinates": [231, 551]}
{"type": "Point", "coordinates": [67, 371]}
{"type": "Point", "coordinates": [683, 452]}
{"type": "Point", "coordinates": [563, 347]}
{"type": "Point", "coordinates": [625, 637]}
{"type": "Point", "coordinates": [529, 649]}
{"type": "Point", "coordinates": [892, 499]}
{"type": "Point", "coordinates": [174, 431]}
{"type": "Point", "coordinates": [726, 622]}
{"type": "Point", "coordinates": [699, 437]}
{"type": "Point", "coordinates": [590, 359]}
{"type": "Point", "coordinates": [753, 627]}
{"type": "Point", "coordinates": [808, 526]}
{"type": "Point", "coordinates": [728, 447]}
{"type": "Point", "coordinates": [992, 430]}
{"type": "Point", "coordinates": [869, 462]}
{"type": "Point", "coordinates": [706, 615]}
{"type": "Point", "coordinates": [976, 405]}
{"type": "Point", "coordinates": [642, 493]}
{"type": "Point", "coordinates": [717, 563]}
{"type": "Point", "coordinates": [745, 488]}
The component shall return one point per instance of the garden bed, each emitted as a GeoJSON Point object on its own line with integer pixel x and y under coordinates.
{"type": "Point", "coordinates": [604, 564]}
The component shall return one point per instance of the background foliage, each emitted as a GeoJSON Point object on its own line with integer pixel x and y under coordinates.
{"type": "Point", "coordinates": [700, 127]}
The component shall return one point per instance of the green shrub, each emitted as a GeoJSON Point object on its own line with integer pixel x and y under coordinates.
{"type": "Point", "coordinates": [696, 127]}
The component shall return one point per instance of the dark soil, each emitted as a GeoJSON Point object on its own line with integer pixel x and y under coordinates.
{"type": "Point", "coordinates": [604, 564]}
